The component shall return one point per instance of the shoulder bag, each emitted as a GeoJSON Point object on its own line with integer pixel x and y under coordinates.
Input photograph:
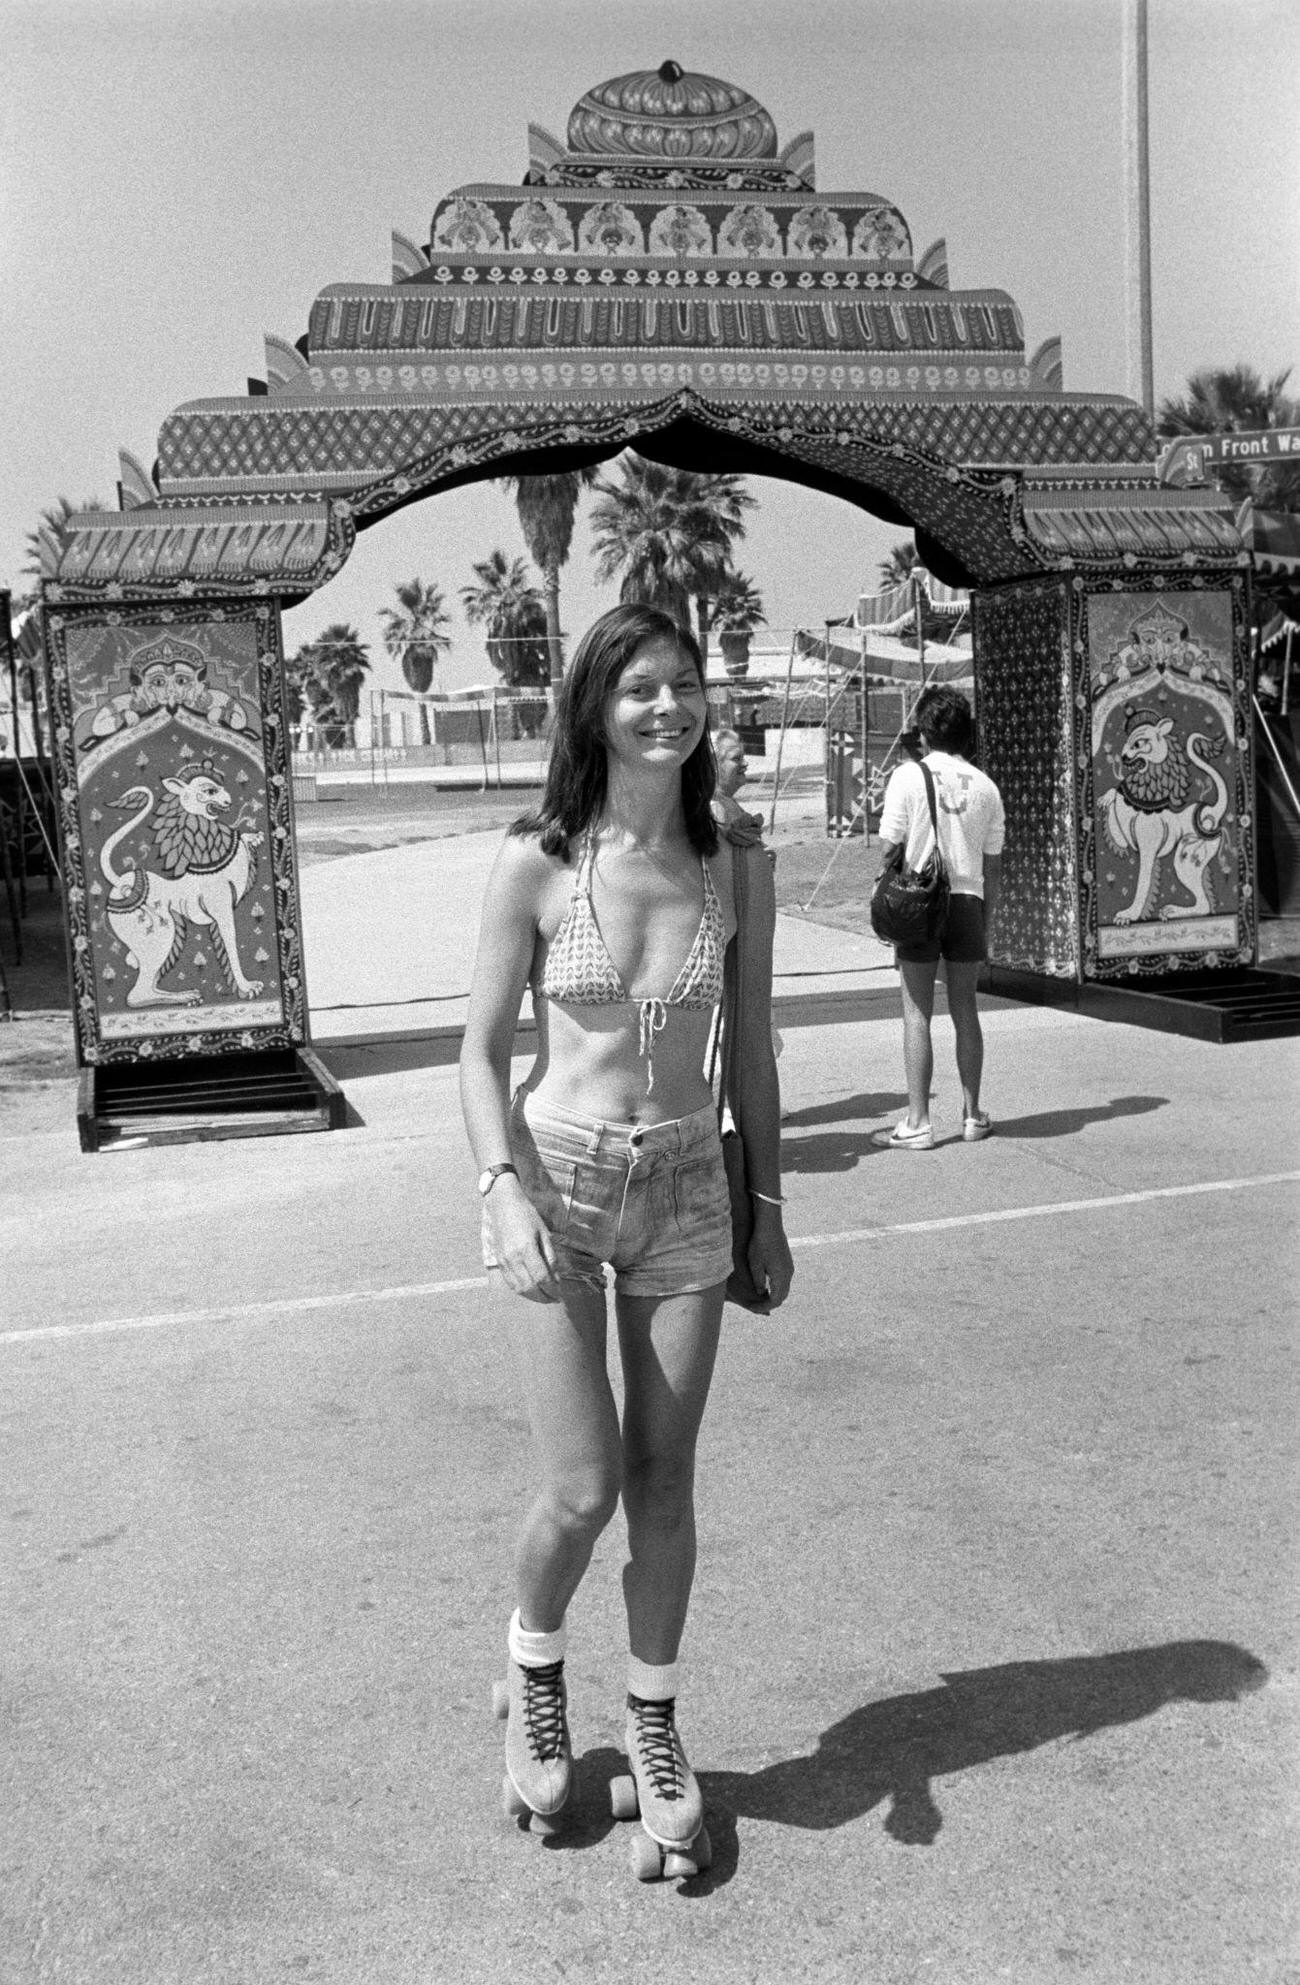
{"type": "Point", "coordinates": [741, 1286]}
{"type": "Point", "coordinates": [908, 905]}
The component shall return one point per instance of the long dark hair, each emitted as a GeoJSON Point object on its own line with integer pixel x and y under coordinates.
{"type": "Point", "coordinates": [578, 773]}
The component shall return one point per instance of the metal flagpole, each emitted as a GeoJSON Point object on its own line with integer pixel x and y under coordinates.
{"type": "Point", "coordinates": [1137, 207]}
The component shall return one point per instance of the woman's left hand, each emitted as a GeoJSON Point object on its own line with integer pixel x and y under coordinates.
{"type": "Point", "coordinates": [770, 1262]}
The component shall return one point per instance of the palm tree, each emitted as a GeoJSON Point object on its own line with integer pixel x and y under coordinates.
{"type": "Point", "coordinates": [415, 631]}
{"type": "Point", "coordinates": [898, 568]}
{"type": "Point", "coordinates": [726, 498]}
{"type": "Point", "coordinates": [330, 671]}
{"type": "Point", "coordinates": [738, 605]}
{"type": "Point", "coordinates": [303, 693]}
{"type": "Point", "coordinates": [547, 507]}
{"type": "Point", "coordinates": [1226, 400]}
{"type": "Point", "coordinates": [737, 610]}
{"type": "Point", "coordinates": [667, 532]}
{"type": "Point", "coordinates": [507, 603]}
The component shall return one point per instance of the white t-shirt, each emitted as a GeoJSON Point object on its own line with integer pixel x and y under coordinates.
{"type": "Point", "coordinates": [971, 820]}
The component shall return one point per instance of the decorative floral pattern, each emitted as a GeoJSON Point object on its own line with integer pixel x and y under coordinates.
{"type": "Point", "coordinates": [542, 227]}
{"type": "Point", "coordinates": [817, 232]}
{"type": "Point", "coordinates": [137, 692]}
{"type": "Point", "coordinates": [881, 236]}
{"type": "Point", "coordinates": [226, 548]}
{"type": "Point", "coordinates": [750, 230]}
{"type": "Point", "coordinates": [681, 231]}
{"type": "Point", "coordinates": [1170, 663]}
{"type": "Point", "coordinates": [611, 229]}
{"type": "Point", "coordinates": [467, 227]}
{"type": "Point", "coordinates": [1023, 700]}
{"type": "Point", "coordinates": [653, 114]}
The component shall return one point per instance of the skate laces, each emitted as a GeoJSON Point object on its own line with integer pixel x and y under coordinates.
{"type": "Point", "coordinates": [657, 1745]}
{"type": "Point", "coordinates": [544, 1709]}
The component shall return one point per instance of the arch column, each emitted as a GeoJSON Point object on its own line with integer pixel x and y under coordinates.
{"type": "Point", "coordinates": [171, 757]}
{"type": "Point", "coordinates": [1114, 715]}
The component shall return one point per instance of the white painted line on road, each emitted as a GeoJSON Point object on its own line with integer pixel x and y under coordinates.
{"type": "Point", "coordinates": [1042, 1212]}
{"type": "Point", "coordinates": [415, 1291]}
{"type": "Point", "coordinates": [240, 1312]}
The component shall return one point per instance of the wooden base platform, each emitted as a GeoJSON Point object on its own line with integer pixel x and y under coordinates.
{"type": "Point", "coordinates": [207, 1096]}
{"type": "Point", "coordinates": [1245, 1004]}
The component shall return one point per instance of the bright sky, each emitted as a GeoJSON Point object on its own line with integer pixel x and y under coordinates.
{"type": "Point", "coordinates": [179, 176]}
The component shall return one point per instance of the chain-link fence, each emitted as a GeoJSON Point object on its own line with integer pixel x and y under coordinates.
{"type": "Point", "coordinates": [815, 714]}
{"type": "Point", "coordinates": [399, 734]}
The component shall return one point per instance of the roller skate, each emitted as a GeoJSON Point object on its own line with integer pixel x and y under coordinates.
{"type": "Point", "coordinates": [674, 1841]}
{"type": "Point", "coordinates": [539, 1757]}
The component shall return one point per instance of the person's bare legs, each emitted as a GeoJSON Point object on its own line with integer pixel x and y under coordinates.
{"type": "Point", "coordinates": [918, 1049]}
{"type": "Point", "coordinates": [961, 981]}
{"type": "Point", "coordinates": [561, 1354]}
{"type": "Point", "coordinates": [669, 1345]}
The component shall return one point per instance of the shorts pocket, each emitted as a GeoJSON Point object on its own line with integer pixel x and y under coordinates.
{"type": "Point", "coordinates": [700, 1196]}
{"type": "Point", "coordinates": [549, 1184]}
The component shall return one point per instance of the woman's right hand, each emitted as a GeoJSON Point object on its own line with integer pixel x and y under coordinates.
{"type": "Point", "coordinates": [521, 1242]}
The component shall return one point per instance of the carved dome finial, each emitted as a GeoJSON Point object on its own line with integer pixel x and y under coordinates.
{"type": "Point", "coordinates": [671, 113]}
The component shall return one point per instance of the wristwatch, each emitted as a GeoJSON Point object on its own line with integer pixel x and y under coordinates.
{"type": "Point", "coordinates": [487, 1179]}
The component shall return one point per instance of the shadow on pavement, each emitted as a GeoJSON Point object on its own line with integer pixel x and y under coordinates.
{"type": "Point", "coordinates": [841, 1150]}
{"type": "Point", "coordinates": [892, 1751]}
{"type": "Point", "coordinates": [1066, 1123]}
{"type": "Point", "coordinates": [395, 1057]}
{"type": "Point", "coordinates": [832, 1151]}
{"type": "Point", "coordinates": [846, 1109]}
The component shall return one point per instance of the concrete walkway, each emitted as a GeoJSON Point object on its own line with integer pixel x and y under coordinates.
{"type": "Point", "coordinates": [389, 939]}
{"type": "Point", "coordinates": [991, 1673]}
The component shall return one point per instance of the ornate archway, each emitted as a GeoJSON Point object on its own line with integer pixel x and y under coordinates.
{"type": "Point", "coordinates": [668, 276]}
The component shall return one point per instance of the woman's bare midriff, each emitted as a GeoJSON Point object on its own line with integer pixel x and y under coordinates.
{"type": "Point", "coordinates": [588, 1062]}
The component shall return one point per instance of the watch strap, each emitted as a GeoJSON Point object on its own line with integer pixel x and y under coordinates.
{"type": "Point", "coordinates": [491, 1173]}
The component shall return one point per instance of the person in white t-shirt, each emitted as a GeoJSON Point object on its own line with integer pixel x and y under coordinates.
{"type": "Point", "coordinates": [971, 831]}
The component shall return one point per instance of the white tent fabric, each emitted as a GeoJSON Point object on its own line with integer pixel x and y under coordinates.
{"type": "Point", "coordinates": [888, 612]}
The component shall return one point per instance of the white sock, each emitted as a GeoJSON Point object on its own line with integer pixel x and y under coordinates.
{"type": "Point", "coordinates": [535, 1650]}
{"type": "Point", "coordinates": [650, 1683]}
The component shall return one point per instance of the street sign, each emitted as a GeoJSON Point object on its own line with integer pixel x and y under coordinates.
{"type": "Point", "coordinates": [1195, 458]}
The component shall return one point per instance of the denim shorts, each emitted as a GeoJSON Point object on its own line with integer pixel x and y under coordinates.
{"type": "Point", "coordinates": [961, 940]}
{"type": "Point", "coordinates": [650, 1199]}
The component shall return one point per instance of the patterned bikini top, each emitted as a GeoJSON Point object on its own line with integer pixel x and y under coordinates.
{"type": "Point", "coordinates": [580, 972]}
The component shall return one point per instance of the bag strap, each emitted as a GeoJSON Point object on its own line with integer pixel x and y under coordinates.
{"type": "Point", "coordinates": [928, 776]}
{"type": "Point", "coordinates": [725, 1031]}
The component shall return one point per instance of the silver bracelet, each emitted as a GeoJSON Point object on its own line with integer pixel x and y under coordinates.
{"type": "Point", "coordinates": [766, 1197]}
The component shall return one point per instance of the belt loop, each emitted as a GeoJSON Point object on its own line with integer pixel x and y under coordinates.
{"type": "Point", "coordinates": [593, 1142]}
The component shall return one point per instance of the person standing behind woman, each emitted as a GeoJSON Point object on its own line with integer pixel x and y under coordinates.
{"type": "Point", "coordinates": [732, 771]}
{"type": "Point", "coordinates": [971, 832]}
{"type": "Point", "coordinates": [614, 903]}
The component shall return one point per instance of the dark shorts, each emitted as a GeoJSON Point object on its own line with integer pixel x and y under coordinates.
{"type": "Point", "coordinates": [961, 940]}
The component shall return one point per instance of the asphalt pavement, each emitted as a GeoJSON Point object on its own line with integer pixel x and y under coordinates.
{"type": "Point", "coordinates": [991, 1668]}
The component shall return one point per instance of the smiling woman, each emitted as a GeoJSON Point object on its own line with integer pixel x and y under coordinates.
{"type": "Point", "coordinates": [615, 903]}
{"type": "Point", "coordinates": [658, 705]}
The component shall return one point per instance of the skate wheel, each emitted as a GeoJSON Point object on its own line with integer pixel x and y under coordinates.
{"type": "Point", "coordinates": [501, 1700]}
{"type": "Point", "coordinates": [702, 1850]}
{"type": "Point", "coordinates": [513, 1806]}
{"type": "Point", "coordinates": [623, 1801]}
{"type": "Point", "coordinates": [647, 1862]}
{"type": "Point", "coordinates": [680, 1864]}
{"type": "Point", "coordinates": [546, 1824]}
